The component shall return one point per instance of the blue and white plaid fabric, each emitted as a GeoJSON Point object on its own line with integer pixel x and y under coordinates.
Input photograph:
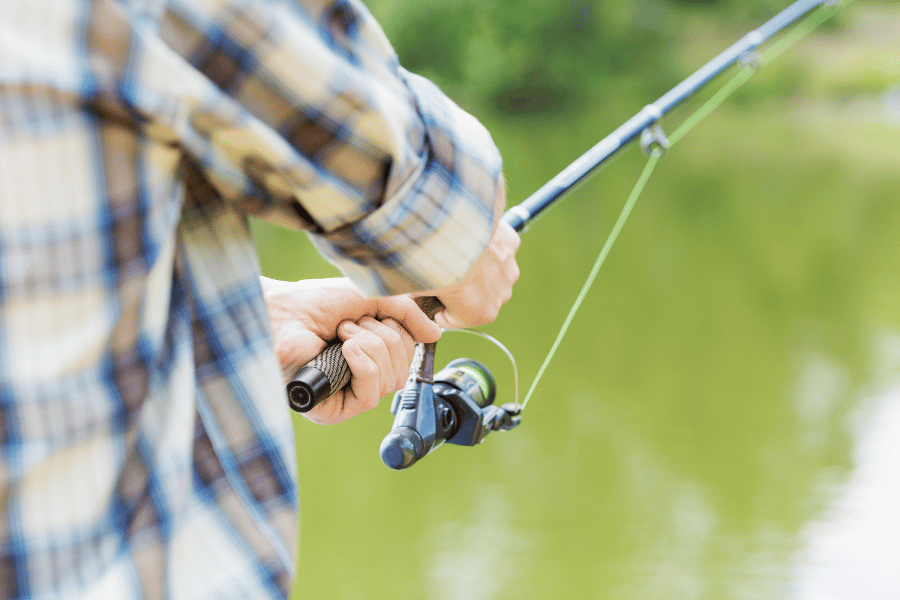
{"type": "Point", "coordinates": [146, 449]}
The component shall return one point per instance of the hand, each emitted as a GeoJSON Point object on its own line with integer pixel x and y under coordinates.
{"type": "Point", "coordinates": [477, 299]}
{"type": "Point", "coordinates": [379, 336]}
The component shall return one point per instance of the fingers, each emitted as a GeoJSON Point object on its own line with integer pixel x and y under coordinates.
{"type": "Point", "coordinates": [377, 368]}
{"type": "Point", "coordinates": [406, 312]}
{"type": "Point", "coordinates": [389, 335]}
{"type": "Point", "coordinates": [321, 305]}
{"type": "Point", "coordinates": [448, 320]}
{"type": "Point", "coordinates": [378, 354]}
{"type": "Point", "coordinates": [403, 356]}
{"type": "Point", "coordinates": [362, 394]}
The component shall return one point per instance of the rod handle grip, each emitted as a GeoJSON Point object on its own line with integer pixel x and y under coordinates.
{"type": "Point", "coordinates": [328, 372]}
{"type": "Point", "coordinates": [318, 379]}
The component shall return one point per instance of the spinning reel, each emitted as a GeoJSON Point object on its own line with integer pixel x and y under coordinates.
{"type": "Point", "coordinates": [457, 406]}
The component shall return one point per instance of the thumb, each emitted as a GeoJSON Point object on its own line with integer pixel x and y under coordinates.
{"type": "Point", "coordinates": [447, 320]}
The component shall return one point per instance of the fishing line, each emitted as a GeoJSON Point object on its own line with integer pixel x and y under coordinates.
{"type": "Point", "coordinates": [754, 63]}
{"type": "Point", "coordinates": [499, 345]}
{"type": "Point", "coordinates": [623, 216]}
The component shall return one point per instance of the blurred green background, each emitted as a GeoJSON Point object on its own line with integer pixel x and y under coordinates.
{"type": "Point", "coordinates": [699, 434]}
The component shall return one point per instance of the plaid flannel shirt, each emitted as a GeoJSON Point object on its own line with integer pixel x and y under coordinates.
{"type": "Point", "coordinates": [146, 449]}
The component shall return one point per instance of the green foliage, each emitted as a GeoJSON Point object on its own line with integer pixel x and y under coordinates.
{"type": "Point", "coordinates": [525, 55]}
{"type": "Point", "coordinates": [543, 56]}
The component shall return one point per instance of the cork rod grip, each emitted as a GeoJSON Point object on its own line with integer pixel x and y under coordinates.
{"type": "Point", "coordinates": [328, 372]}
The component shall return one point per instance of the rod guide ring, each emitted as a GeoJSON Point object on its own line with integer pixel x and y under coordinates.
{"type": "Point", "coordinates": [654, 141]}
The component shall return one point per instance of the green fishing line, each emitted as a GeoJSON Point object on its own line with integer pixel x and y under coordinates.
{"type": "Point", "coordinates": [638, 188]}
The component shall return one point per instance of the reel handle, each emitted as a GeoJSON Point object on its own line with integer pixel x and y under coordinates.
{"type": "Point", "coordinates": [328, 372]}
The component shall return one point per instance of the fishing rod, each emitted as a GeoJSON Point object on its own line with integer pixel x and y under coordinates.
{"type": "Point", "coordinates": [645, 123]}
{"type": "Point", "coordinates": [457, 404]}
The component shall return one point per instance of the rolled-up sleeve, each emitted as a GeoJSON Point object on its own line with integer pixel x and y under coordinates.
{"type": "Point", "coordinates": [299, 113]}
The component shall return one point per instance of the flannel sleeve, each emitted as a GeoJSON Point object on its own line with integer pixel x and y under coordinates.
{"type": "Point", "coordinates": [300, 113]}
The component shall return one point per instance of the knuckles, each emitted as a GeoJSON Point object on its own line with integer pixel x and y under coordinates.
{"type": "Point", "coordinates": [391, 337]}
{"type": "Point", "coordinates": [369, 403]}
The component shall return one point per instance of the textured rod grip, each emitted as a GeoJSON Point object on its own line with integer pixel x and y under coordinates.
{"type": "Point", "coordinates": [328, 372]}
{"type": "Point", "coordinates": [319, 379]}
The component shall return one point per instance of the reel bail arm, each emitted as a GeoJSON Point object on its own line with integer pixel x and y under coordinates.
{"type": "Point", "coordinates": [504, 417]}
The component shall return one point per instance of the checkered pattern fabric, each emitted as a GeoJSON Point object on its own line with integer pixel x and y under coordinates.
{"type": "Point", "coordinates": [146, 449]}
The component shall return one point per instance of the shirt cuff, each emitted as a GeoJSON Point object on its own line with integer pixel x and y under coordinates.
{"type": "Point", "coordinates": [432, 229]}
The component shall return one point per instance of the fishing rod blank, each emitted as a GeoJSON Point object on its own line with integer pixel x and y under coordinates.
{"type": "Point", "coordinates": [328, 372]}
{"type": "Point", "coordinates": [519, 216]}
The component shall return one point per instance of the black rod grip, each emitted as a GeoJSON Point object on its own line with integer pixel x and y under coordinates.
{"type": "Point", "coordinates": [328, 372]}
{"type": "Point", "coordinates": [320, 378]}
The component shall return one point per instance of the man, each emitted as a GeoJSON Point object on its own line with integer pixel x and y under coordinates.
{"type": "Point", "coordinates": [145, 443]}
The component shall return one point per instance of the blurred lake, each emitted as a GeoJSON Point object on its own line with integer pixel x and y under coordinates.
{"type": "Point", "coordinates": [722, 420]}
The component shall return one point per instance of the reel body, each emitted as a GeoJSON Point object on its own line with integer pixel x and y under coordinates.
{"type": "Point", "coordinates": [457, 407]}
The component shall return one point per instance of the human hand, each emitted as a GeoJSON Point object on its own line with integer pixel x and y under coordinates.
{"type": "Point", "coordinates": [477, 299]}
{"type": "Point", "coordinates": [379, 336]}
